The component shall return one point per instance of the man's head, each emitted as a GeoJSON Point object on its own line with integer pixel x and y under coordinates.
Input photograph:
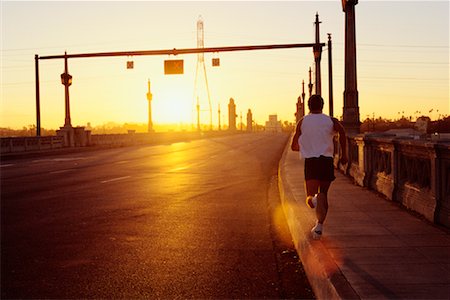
{"type": "Point", "coordinates": [315, 103]}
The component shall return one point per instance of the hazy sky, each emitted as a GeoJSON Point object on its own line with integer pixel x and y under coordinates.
{"type": "Point", "coordinates": [402, 53]}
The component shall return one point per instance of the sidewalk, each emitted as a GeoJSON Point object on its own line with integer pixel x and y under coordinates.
{"type": "Point", "coordinates": [370, 249]}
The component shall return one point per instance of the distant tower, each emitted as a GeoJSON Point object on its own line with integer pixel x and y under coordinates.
{"type": "Point", "coordinates": [232, 115]}
{"type": "Point", "coordinates": [249, 120]}
{"type": "Point", "coordinates": [201, 68]}
{"type": "Point", "coordinates": [149, 98]}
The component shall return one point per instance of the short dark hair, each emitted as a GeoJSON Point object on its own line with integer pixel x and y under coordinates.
{"type": "Point", "coordinates": [315, 102]}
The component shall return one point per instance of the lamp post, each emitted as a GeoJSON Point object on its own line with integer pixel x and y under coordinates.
{"type": "Point", "coordinates": [38, 97]}
{"type": "Point", "coordinates": [219, 116]}
{"type": "Point", "coordinates": [310, 84]}
{"type": "Point", "coordinates": [330, 77]}
{"type": "Point", "coordinates": [351, 109]}
{"type": "Point", "coordinates": [149, 99]}
{"type": "Point", "coordinates": [66, 80]}
{"type": "Point", "coordinates": [317, 49]}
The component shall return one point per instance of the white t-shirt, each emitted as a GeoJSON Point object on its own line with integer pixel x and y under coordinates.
{"type": "Point", "coordinates": [317, 136]}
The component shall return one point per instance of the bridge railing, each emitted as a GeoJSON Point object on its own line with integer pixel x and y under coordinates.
{"type": "Point", "coordinates": [85, 139]}
{"type": "Point", "coordinates": [414, 173]}
{"type": "Point", "coordinates": [20, 144]}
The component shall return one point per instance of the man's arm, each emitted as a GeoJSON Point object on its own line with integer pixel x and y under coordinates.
{"type": "Point", "coordinates": [342, 141]}
{"type": "Point", "coordinates": [294, 144]}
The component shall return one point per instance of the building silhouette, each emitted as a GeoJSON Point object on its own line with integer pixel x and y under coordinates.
{"type": "Point", "coordinates": [232, 115]}
{"type": "Point", "coordinates": [249, 120]}
{"type": "Point", "coordinates": [273, 125]}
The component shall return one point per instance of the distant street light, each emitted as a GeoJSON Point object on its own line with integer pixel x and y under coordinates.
{"type": "Point", "coordinates": [66, 79]}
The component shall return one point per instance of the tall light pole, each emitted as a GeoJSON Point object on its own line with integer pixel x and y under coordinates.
{"type": "Point", "coordinates": [38, 97]}
{"type": "Point", "coordinates": [310, 84]}
{"type": "Point", "coordinates": [317, 57]}
{"type": "Point", "coordinates": [330, 77]}
{"type": "Point", "coordinates": [219, 116]}
{"type": "Point", "coordinates": [351, 109]}
{"type": "Point", "coordinates": [66, 80]}
{"type": "Point", "coordinates": [150, 98]}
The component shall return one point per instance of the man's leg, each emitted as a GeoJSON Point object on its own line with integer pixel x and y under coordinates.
{"type": "Point", "coordinates": [312, 188]}
{"type": "Point", "coordinates": [322, 201]}
{"type": "Point", "coordinates": [322, 209]}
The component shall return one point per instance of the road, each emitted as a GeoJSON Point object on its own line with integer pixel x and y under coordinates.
{"type": "Point", "coordinates": [196, 219]}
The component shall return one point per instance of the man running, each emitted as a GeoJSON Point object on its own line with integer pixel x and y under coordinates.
{"type": "Point", "coordinates": [314, 139]}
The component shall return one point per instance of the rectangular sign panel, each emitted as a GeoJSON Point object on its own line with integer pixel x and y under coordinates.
{"type": "Point", "coordinates": [173, 66]}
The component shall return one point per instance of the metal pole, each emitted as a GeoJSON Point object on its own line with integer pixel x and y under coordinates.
{"type": "Point", "coordinates": [183, 51]}
{"type": "Point", "coordinates": [198, 115]}
{"type": "Point", "coordinates": [67, 121]}
{"type": "Point", "coordinates": [317, 56]}
{"type": "Point", "coordinates": [310, 84]}
{"type": "Point", "coordinates": [149, 99]}
{"type": "Point", "coordinates": [219, 116]}
{"type": "Point", "coordinates": [330, 76]}
{"type": "Point", "coordinates": [38, 98]}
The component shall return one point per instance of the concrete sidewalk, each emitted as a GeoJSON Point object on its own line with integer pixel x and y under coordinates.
{"type": "Point", "coordinates": [371, 248]}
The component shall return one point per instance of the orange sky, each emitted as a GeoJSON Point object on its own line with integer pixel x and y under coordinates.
{"type": "Point", "coordinates": [403, 59]}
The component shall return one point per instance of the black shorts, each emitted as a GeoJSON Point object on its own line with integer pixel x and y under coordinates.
{"type": "Point", "coordinates": [319, 168]}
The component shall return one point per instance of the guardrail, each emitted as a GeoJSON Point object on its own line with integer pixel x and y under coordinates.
{"type": "Point", "coordinates": [415, 173]}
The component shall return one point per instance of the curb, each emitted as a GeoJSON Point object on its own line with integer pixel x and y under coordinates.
{"type": "Point", "coordinates": [325, 277]}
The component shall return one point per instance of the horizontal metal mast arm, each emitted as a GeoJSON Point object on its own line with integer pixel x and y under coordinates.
{"type": "Point", "coordinates": [175, 51]}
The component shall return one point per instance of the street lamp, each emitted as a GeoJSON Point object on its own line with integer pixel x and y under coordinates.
{"type": "Point", "coordinates": [345, 2]}
{"type": "Point", "coordinates": [66, 79]}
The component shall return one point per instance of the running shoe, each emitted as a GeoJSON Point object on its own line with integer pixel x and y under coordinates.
{"type": "Point", "coordinates": [317, 231]}
{"type": "Point", "coordinates": [311, 201]}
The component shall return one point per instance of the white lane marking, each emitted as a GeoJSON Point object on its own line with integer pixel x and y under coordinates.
{"type": "Point", "coordinates": [60, 159]}
{"type": "Point", "coordinates": [115, 179]}
{"type": "Point", "coordinates": [60, 171]}
{"type": "Point", "coordinates": [7, 165]}
{"type": "Point", "coordinates": [178, 169]}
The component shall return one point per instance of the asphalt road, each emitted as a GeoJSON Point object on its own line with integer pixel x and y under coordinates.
{"type": "Point", "coordinates": [189, 220]}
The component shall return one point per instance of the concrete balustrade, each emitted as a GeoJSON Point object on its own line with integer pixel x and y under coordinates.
{"type": "Point", "coordinates": [79, 137]}
{"type": "Point", "coordinates": [414, 173]}
{"type": "Point", "coordinates": [21, 144]}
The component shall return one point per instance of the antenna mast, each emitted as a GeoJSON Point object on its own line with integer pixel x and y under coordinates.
{"type": "Point", "coordinates": [201, 68]}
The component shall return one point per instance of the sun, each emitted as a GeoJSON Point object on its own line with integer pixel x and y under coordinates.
{"type": "Point", "coordinates": [172, 102]}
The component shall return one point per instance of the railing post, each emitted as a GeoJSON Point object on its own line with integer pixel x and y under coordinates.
{"type": "Point", "coordinates": [435, 184]}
